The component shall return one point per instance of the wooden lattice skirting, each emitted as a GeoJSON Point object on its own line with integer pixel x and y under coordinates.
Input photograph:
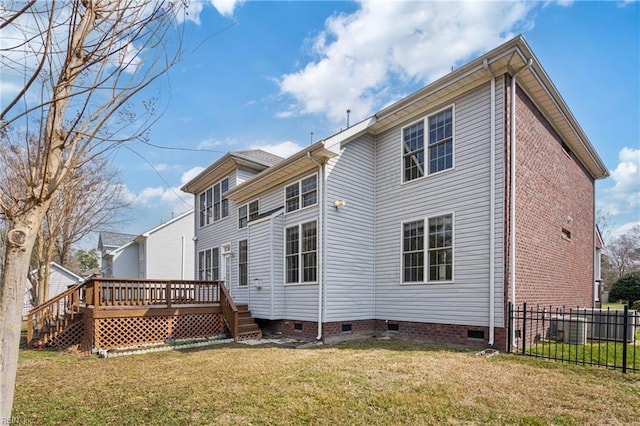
{"type": "Point", "coordinates": [110, 333]}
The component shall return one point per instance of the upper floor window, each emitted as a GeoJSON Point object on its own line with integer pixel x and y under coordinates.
{"type": "Point", "coordinates": [213, 204]}
{"type": "Point", "coordinates": [246, 213]}
{"type": "Point", "coordinates": [439, 149]}
{"type": "Point", "coordinates": [301, 253]}
{"type": "Point", "coordinates": [301, 194]}
{"type": "Point", "coordinates": [437, 259]}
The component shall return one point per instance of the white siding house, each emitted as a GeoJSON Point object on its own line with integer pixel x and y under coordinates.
{"type": "Point", "coordinates": [164, 252]}
{"type": "Point", "coordinates": [60, 279]}
{"type": "Point", "coordinates": [402, 223]}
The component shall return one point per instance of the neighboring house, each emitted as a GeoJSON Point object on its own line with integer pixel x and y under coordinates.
{"type": "Point", "coordinates": [59, 280]}
{"type": "Point", "coordinates": [164, 252]}
{"type": "Point", "coordinates": [426, 219]}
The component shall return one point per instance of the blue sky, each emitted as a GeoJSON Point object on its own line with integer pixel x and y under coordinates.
{"type": "Point", "coordinates": [269, 73]}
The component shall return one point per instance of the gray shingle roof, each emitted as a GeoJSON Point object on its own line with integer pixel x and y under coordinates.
{"type": "Point", "coordinates": [114, 239]}
{"type": "Point", "coordinates": [259, 155]}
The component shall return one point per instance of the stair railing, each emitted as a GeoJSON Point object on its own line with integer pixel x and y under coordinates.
{"type": "Point", "coordinates": [229, 311]}
{"type": "Point", "coordinates": [54, 315]}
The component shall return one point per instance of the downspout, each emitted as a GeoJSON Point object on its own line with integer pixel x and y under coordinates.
{"type": "Point", "coordinates": [512, 213]}
{"type": "Point", "coordinates": [492, 211]}
{"type": "Point", "coordinates": [320, 240]}
{"type": "Point", "coordinates": [596, 261]}
{"type": "Point", "coordinates": [272, 254]}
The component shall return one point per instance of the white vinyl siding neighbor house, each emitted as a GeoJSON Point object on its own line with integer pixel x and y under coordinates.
{"type": "Point", "coordinates": [60, 279]}
{"type": "Point", "coordinates": [164, 252]}
{"type": "Point", "coordinates": [399, 223]}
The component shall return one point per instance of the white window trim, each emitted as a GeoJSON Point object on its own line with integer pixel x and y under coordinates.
{"type": "Point", "coordinates": [212, 187]}
{"type": "Point", "coordinates": [425, 279]}
{"type": "Point", "coordinates": [425, 121]}
{"type": "Point", "coordinates": [299, 254]}
{"type": "Point", "coordinates": [210, 249]}
{"type": "Point", "coordinates": [247, 263]}
{"type": "Point", "coordinates": [257, 200]}
{"type": "Point", "coordinates": [299, 183]}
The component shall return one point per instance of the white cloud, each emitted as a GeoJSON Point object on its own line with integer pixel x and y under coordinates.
{"type": "Point", "coordinates": [621, 200]}
{"type": "Point", "coordinates": [627, 178]}
{"type": "Point", "coordinates": [283, 149]}
{"type": "Point", "coordinates": [190, 174]}
{"type": "Point", "coordinates": [225, 7]}
{"type": "Point", "coordinates": [359, 54]}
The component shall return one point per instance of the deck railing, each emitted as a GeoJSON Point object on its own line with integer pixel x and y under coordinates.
{"type": "Point", "coordinates": [111, 292]}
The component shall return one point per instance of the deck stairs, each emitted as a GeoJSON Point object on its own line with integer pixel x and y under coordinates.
{"type": "Point", "coordinates": [247, 327]}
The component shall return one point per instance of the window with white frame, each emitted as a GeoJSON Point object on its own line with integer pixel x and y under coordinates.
{"type": "Point", "coordinates": [243, 262]}
{"type": "Point", "coordinates": [439, 150]}
{"type": "Point", "coordinates": [441, 248]}
{"type": "Point", "coordinates": [206, 207]}
{"type": "Point", "coordinates": [209, 264]}
{"type": "Point", "coordinates": [435, 254]}
{"type": "Point", "coordinates": [247, 212]}
{"type": "Point", "coordinates": [413, 252]}
{"type": "Point", "coordinates": [301, 194]}
{"type": "Point", "coordinates": [301, 253]}
{"type": "Point", "coordinates": [213, 204]}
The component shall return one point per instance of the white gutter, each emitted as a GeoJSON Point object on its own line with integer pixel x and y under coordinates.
{"type": "Point", "coordinates": [320, 240]}
{"type": "Point", "coordinates": [492, 212]}
{"type": "Point", "coordinates": [512, 215]}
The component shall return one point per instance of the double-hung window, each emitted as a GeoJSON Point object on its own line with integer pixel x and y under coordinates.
{"type": "Point", "coordinates": [432, 252]}
{"type": "Point", "coordinates": [213, 204]}
{"type": "Point", "coordinates": [246, 213]}
{"type": "Point", "coordinates": [419, 160]}
{"type": "Point", "coordinates": [301, 194]}
{"type": "Point", "coordinates": [209, 264]}
{"type": "Point", "coordinates": [301, 253]}
{"type": "Point", "coordinates": [206, 207]}
{"type": "Point", "coordinates": [243, 262]}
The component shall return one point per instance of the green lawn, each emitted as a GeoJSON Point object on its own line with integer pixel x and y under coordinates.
{"type": "Point", "coordinates": [362, 382]}
{"type": "Point", "coordinates": [609, 354]}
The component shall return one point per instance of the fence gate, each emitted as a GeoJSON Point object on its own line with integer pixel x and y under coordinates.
{"type": "Point", "coordinates": [602, 337]}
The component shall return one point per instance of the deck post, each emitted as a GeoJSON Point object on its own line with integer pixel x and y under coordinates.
{"type": "Point", "coordinates": [168, 295]}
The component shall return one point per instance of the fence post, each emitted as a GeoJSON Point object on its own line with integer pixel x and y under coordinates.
{"type": "Point", "coordinates": [625, 332]}
{"type": "Point", "coordinates": [524, 327]}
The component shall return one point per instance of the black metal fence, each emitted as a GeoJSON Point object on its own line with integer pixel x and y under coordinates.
{"type": "Point", "coordinates": [602, 337]}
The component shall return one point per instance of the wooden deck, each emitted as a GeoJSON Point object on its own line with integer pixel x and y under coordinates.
{"type": "Point", "coordinates": [108, 313]}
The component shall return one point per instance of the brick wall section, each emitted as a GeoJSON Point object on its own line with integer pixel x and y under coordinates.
{"type": "Point", "coordinates": [553, 191]}
{"type": "Point", "coordinates": [422, 332]}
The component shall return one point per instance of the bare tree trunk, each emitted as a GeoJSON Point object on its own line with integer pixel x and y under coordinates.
{"type": "Point", "coordinates": [21, 240]}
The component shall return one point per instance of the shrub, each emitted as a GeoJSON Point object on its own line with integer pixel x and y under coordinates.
{"type": "Point", "coordinates": [626, 288]}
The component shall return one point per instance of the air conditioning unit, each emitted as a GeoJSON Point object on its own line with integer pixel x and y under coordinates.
{"type": "Point", "coordinates": [568, 329]}
{"type": "Point", "coordinates": [609, 325]}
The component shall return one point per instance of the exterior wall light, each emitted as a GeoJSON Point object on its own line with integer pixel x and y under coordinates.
{"type": "Point", "coordinates": [339, 203]}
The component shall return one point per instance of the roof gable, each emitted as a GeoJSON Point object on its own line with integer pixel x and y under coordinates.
{"type": "Point", "coordinates": [113, 239]}
{"type": "Point", "coordinates": [256, 160]}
